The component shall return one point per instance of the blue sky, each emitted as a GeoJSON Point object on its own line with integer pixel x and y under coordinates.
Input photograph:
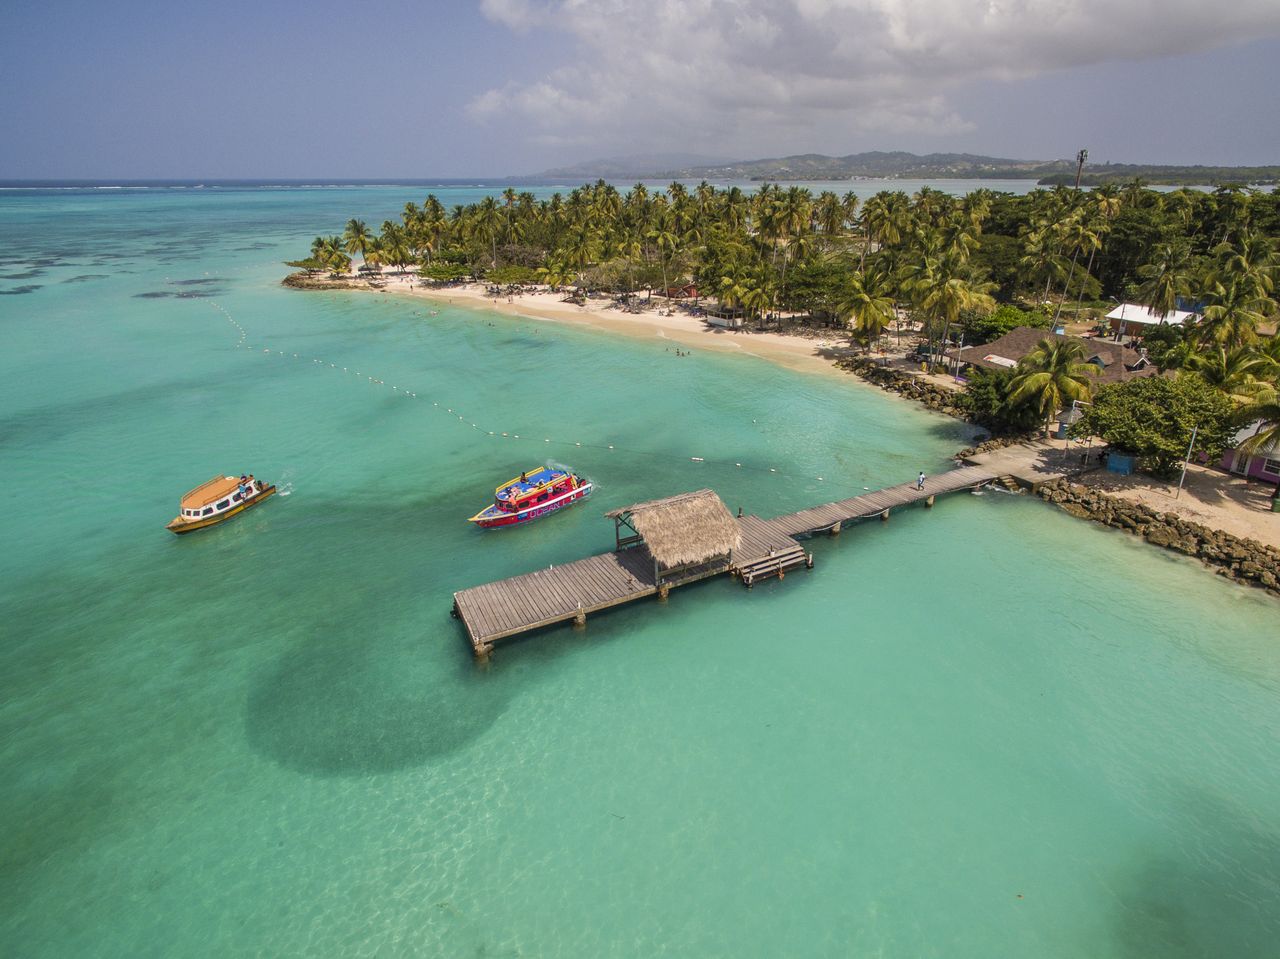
{"type": "Point", "coordinates": [497, 87]}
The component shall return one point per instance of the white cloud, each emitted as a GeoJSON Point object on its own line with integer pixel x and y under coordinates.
{"type": "Point", "coordinates": [743, 72]}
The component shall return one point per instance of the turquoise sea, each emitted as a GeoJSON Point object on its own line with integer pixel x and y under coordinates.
{"type": "Point", "coordinates": [984, 730]}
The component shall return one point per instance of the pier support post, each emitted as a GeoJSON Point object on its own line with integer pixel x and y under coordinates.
{"type": "Point", "coordinates": [835, 530]}
{"type": "Point", "coordinates": [483, 651]}
{"type": "Point", "coordinates": [808, 561]}
{"type": "Point", "coordinates": [580, 619]}
{"type": "Point", "coordinates": [663, 591]}
{"type": "Point", "coordinates": [929, 501]}
{"type": "Point", "coordinates": [884, 517]}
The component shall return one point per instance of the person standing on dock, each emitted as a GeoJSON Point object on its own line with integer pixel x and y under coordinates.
{"type": "Point", "coordinates": [920, 481]}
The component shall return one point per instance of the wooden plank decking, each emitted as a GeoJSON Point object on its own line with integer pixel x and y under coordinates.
{"type": "Point", "coordinates": [820, 519]}
{"type": "Point", "coordinates": [507, 607]}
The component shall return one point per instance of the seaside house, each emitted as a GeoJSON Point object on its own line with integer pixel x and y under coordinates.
{"type": "Point", "coordinates": [1133, 318]}
{"type": "Point", "coordinates": [728, 317]}
{"type": "Point", "coordinates": [1115, 362]}
{"type": "Point", "coordinates": [1260, 464]}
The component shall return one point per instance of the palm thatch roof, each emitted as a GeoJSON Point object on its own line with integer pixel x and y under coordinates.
{"type": "Point", "coordinates": [685, 529]}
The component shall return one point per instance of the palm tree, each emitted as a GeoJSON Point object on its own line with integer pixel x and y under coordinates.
{"type": "Point", "coordinates": [1168, 277]}
{"type": "Point", "coordinates": [357, 237]}
{"type": "Point", "coordinates": [488, 218]}
{"type": "Point", "coordinates": [1232, 312]}
{"type": "Point", "coordinates": [332, 253]}
{"type": "Point", "coordinates": [1079, 237]}
{"type": "Point", "coordinates": [941, 287]}
{"type": "Point", "coordinates": [1051, 375]}
{"type": "Point", "coordinates": [667, 244]}
{"type": "Point", "coordinates": [581, 247]}
{"type": "Point", "coordinates": [1240, 373]}
{"type": "Point", "coordinates": [756, 296]}
{"type": "Point", "coordinates": [869, 305]}
{"type": "Point", "coordinates": [1041, 260]}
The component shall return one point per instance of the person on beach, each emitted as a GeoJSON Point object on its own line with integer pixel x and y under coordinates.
{"type": "Point", "coordinates": [920, 481]}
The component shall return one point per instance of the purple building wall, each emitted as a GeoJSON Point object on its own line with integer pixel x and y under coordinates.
{"type": "Point", "coordinates": [1254, 469]}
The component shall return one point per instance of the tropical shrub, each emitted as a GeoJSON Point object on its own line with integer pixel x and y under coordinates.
{"type": "Point", "coordinates": [512, 274]}
{"type": "Point", "coordinates": [445, 272]}
{"type": "Point", "coordinates": [1153, 417]}
{"type": "Point", "coordinates": [986, 399]}
{"type": "Point", "coordinates": [983, 329]}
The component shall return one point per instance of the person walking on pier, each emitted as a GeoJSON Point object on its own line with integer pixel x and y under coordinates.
{"type": "Point", "coordinates": [920, 481]}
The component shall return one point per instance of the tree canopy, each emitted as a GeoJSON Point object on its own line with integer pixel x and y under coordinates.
{"type": "Point", "coordinates": [1153, 417]}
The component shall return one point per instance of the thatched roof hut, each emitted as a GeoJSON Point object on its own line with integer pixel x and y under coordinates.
{"type": "Point", "coordinates": [683, 530]}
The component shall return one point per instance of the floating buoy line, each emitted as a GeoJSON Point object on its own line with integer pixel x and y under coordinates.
{"type": "Point", "coordinates": [454, 414]}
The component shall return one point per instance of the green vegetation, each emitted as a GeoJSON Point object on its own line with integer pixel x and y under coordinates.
{"type": "Point", "coordinates": [979, 327]}
{"type": "Point", "coordinates": [817, 166]}
{"type": "Point", "coordinates": [1153, 417]}
{"type": "Point", "coordinates": [944, 262]}
{"type": "Point", "coordinates": [974, 267]}
{"type": "Point", "coordinates": [1051, 376]}
{"type": "Point", "coordinates": [986, 398]}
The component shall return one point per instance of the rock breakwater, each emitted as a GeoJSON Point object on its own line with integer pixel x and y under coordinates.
{"type": "Point", "coordinates": [904, 384]}
{"type": "Point", "coordinates": [1242, 560]}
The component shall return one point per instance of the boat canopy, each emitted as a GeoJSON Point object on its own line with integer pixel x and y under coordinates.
{"type": "Point", "coordinates": [533, 480]}
{"type": "Point", "coordinates": [211, 492]}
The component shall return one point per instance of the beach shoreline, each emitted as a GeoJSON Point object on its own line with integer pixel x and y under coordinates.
{"type": "Point", "coordinates": [806, 354]}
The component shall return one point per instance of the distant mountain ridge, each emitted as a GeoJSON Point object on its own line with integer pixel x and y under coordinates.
{"type": "Point", "coordinates": [902, 165]}
{"type": "Point", "coordinates": [878, 163]}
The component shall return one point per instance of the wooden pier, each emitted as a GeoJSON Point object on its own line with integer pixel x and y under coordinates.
{"type": "Point", "coordinates": [672, 542]}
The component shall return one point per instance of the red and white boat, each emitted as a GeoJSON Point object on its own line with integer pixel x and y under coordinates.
{"type": "Point", "coordinates": [532, 495]}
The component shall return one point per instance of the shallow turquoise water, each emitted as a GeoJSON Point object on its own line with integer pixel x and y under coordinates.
{"type": "Point", "coordinates": [982, 730]}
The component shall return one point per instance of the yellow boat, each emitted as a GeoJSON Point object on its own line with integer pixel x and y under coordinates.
{"type": "Point", "coordinates": [217, 501]}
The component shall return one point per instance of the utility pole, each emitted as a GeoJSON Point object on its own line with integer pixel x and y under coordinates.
{"type": "Point", "coordinates": [1080, 158]}
{"type": "Point", "coordinates": [1190, 447]}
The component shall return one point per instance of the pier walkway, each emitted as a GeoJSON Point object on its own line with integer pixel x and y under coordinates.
{"type": "Point", "coordinates": [758, 548]}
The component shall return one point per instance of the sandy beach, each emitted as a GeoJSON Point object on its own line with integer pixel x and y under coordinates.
{"type": "Point", "coordinates": [809, 354]}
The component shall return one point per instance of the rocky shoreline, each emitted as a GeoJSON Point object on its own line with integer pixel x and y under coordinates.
{"type": "Point", "coordinates": [317, 281]}
{"type": "Point", "coordinates": [1241, 560]}
{"type": "Point", "coordinates": [936, 398]}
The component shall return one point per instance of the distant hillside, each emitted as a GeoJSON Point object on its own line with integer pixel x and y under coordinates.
{"type": "Point", "coordinates": [899, 165]}
{"type": "Point", "coordinates": [816, 166]}
{"type": "Point", "coordinates": [1101, 173]}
